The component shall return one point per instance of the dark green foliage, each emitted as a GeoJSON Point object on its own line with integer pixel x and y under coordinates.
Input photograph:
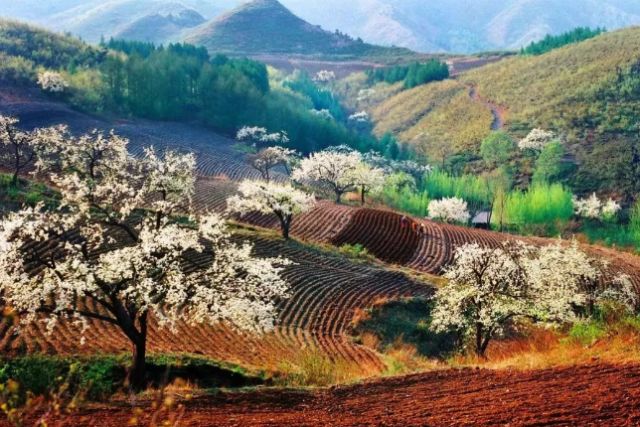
{"type": "Point", "coordinates": [549, 166]}
{"type": "Point", "coordinates": [408, 321]}
{"type": "Point", "coordinates": [321, 98]}
{"type": "Point", "coordinates": [497, 149]}
{"type": "Point", "coordinates": [413, 75]}
{"type": "Point", "coordinates": [553, 42]}
{"type": "Point", "coordinates": [100, 377]}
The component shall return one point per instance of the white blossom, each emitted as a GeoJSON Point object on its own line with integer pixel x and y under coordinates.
{"type": "Point", "coordinates": [536, 140]}
{"type": "Point", "coordinates": [269, 158]}
{"type": "Point", "coordinates": [490, 288]}
{"type": "Point", "coordinates": [451, 209]}
{"type": "Point", "coordinates": [259, 135]}
{"type": "Point", "coordinates": [324, 76]}
{"type": "Point", "coordinates": [368, 179]}
{"type": "Point", "coordinates": [123, 239]}
{"type": "Point", "coordinates": [51, 81]}
{"type": "Point", "coordinates": [281, 200]}
{"type": "Point", "coordinates": [594, 208]}
{"type": "Point", "coordinates": [360, 117]}
{"type": "Point", "coordinates": [332, 168]}
{"type": "Point", "coordinates": [323, 114]}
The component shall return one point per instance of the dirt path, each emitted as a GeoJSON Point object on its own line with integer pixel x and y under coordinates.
{"type": "Point", "coordinates": [499, 112]}
{"type": "Point", "coordinates": [577, 396]}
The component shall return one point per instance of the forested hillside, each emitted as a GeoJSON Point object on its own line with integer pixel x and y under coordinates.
{"type": "Point", "coordinates": [175, 82]}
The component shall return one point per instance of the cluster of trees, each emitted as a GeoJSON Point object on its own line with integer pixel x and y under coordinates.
{"type": "Point", "coordinates": [413, 75]}
{"type": "Point", "coordinates": [551, 42]}
{"type": "Point", "coordinates": [118, 248]}
{"type": "Point", "coordinates": [322, 98]}
{"type": "Point", "coordinates": [490, 290]}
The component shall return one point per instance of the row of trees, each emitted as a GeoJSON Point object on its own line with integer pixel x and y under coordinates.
{"type": "Point", "coordinates": [412, 75]}
{"type": "Point", "coordinates": [551, 42]}
{"type": "Point", "coordinates": [119, 247]}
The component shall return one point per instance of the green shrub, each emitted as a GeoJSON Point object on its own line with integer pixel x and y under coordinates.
{"type": "Point", "coordinates": [542, 210]}
{"type": "Point", "coordinates": [588, 332]}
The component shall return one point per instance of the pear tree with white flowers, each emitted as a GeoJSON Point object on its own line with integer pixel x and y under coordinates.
{"type": "Point", "coordinates": [282, 200]}
{"type": "Point", "coordinates": [331, 169]}
{"type": "Point", "coordinates": [489, 289]}
{"type": "Point", "coordinates": [119, 249]}
{"type": "Point", "coordinates": [270, 158]}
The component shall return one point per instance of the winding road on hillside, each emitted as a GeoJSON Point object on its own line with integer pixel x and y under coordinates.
{"type": "Point", "coordinates": [498, 112]}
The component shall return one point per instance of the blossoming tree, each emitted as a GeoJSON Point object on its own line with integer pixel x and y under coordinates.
{"type": "Point", "coordinates": [271, 157]}
{"type": "Point", "coordinates": [118, 249]}
{"type": "Point", "coordinates": [449, 210]}
{"type": "Point", "coordinates": [333, 169]}
{"type": "Point", "coordinates": [368, 179]}
{"type": "Point", "coordinates": [536, 140]}
{"type": "Point", "coordinates": [259, 136]}
{"type": "Point", "coordinates": [491, 288]}
{"type": "Point", "coordinates": [52, 81]}
{"type": "Point", "coordinates": [281, 200]}
{"type": "Point", "coordinates": [594, 208]}
{"type": "Point", "coordinates": [18, 148]}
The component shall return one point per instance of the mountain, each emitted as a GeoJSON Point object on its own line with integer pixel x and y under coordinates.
{"type": "Point", "coordinates": [268, 27]}
{"type": "Point", "coordinates": [158, 28]}
{"type": "Point", "coordinates": [146, 20]}
{"type": "Point", "coordinates": [464, 26]}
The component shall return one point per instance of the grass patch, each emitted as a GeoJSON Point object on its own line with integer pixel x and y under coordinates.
{"type": "Point", "coordinates": [98, 378]}
{"type": "Point", "coordinates": [314, 368]}
{"type": "Point", "coordinates": [26, 192]}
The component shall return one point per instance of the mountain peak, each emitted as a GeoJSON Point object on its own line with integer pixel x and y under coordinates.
{"type": "Point", "coordinates": [268, 27]}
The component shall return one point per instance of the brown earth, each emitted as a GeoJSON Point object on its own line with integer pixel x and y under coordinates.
{"type": "Point", "coordinates": [595, 395]}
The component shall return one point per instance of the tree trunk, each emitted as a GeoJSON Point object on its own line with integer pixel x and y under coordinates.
{"type": "Point", "coordinates": [479, 351]}
{"type": "Point", "coordinates": [16, 170]}
{"type": "Point", "coordinates": [362, 193]}
{"type": "Point", "coordinates": [285, 226]}
{"type": "Point", "coordinates": [338, 197]}
{"type": "Point", "coordinates": [137, 375]}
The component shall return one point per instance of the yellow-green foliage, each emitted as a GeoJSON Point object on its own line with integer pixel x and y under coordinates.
{"type": "Point", "coordinates": [552, 90]}
{"type": "Point", "coordinates": [439, 118]}
{"type": "Point", "coordinates": [356, 94]}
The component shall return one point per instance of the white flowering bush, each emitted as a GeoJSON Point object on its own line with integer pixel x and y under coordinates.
{"type": "Point", "coordinates": [390, 166]}
{"type": "Point", "coordinates": [536, 140]}
{"type": "Point", "coordinates": [594, 208]}
{"type": "Point", "coordinates": [260, 136]}
{"type": "Point", "coordinates": [324, 76]}
{"type": "Point", "coordinates": [323, 114]}
{"type": "Point", "coordinates": [360, 117]}
{"type": "Point", "coordinates": [271, 157]}
{"type": "Point", "coordinates": [452, 209]}
{"type": "Point", "coordinates": [491, 288]}
{"type": "Point", "coordinates": [333, 169]}
{"type": "Point", "coordinates": [283, 201]}
{"type": "Point", "coordinates": [117, 250]}
{"type": "Point", "coordinates": [51, 81]}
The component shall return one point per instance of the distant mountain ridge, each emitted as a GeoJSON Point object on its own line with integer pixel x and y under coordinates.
{"type": "Point", "coordinates": [460, 26]}
{"type": "Point", "coordinates": [266, 26]}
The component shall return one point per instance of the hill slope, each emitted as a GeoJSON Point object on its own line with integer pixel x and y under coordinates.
{"type": "Point", "coordinates": [267, 27]}
{"type": "Point", "coordinates": [587, 92]}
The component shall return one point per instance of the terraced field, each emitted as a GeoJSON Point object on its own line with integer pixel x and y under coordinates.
{"type": "Point", "coordinates": [216, 155]}
{"type": "Point", "coordinates": [326, 292]}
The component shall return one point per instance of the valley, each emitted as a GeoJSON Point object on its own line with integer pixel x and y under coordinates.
{"type": "Point", "coordinates": [273, 224]}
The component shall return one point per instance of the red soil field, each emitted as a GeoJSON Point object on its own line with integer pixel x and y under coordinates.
{"type": "Point", "coordinates": [327, 291]}
{"type": "Point", "coordinates": [595, 395]}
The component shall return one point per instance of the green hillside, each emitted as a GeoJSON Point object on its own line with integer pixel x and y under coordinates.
{"type": "Point", "coordinates": [267, 27]}
{"type": "Point", "coordinates": [587, 92]}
